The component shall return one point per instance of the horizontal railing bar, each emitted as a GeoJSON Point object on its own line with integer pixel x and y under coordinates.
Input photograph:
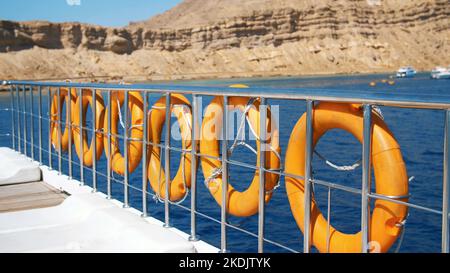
{"type": "Point", "coordinates": [336, 186]}
{"type": "Point", "coordinates": [423, 101]}
{"type": "Point", "coordinates": [381, 197]}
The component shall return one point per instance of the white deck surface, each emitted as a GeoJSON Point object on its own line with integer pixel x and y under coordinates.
{"type": "Point", "coordinates": [16, 168]}
{"type": "Point", "coordinates": [88, 222]}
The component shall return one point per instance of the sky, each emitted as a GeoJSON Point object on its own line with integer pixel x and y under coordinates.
{"type": "Point", "coordinates": [114, 13]}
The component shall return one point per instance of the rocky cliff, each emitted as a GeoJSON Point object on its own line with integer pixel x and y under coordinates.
{"type": "Point", "coordinates": [220, 37]}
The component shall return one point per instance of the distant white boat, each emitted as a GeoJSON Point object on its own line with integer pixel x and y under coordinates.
{"type": "Point", "coordinates": [406, 72]}
{"type": "Point", "coordinates": [440, 73]}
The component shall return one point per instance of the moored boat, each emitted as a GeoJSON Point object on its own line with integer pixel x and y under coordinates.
{"type": "Point", "coordinates": [406, 72]}
{"type": "Point", "coordinates": [440, 73]}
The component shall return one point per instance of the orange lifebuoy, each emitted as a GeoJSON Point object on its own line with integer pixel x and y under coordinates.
{"type": "Point", "coordinates": [390, 175]}
{"type": "Point", "coordinates": [181, 107]}
{"type": "Point", "coordinates": [55, 127]}
{"type": "Point", "coordinates": [135, 107]}
{"type": "Point", "coordinates": [86, 152]}
{"type": "Point", "coordinates": [241, 204]}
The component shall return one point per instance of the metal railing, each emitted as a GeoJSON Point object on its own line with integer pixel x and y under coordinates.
{"type": "Point", "coordinates": [21, 139]}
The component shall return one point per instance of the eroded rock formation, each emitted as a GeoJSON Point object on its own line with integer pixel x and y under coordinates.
{"type": "Point", "coordinates": [285, 36]}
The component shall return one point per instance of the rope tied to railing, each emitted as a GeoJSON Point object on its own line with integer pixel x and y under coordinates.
{"type": "Point", "coordinates": [240, 141]}
{"type": "Point", "coordinates": [344, 168]}
{"type": "Point", "coordinates": [357, 164]}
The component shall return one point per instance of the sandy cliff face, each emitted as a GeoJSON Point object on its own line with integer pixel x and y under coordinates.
{"type": "Point", "coordinates": [243, 38]}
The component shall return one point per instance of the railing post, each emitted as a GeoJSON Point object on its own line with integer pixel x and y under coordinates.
{"type": "Point", "coordinates": [328, 219]}
{"type": "Point", "coordinates": [308, 170]}
{"type": "Point", "coordinates": [32, 122]}
{"type": "Point", "coordinates": [366, 172]}
{"type": "Point", "coordinates": [59, 124]}
{"type": "Point", "coordinates": [224, 206]}
{"type": "Point", "coordinates": [445, 187]}
{"type": "Point", "coordinates": [126, 203]}
{"type": "Point", "coordinates": [50, 124]}
{"type": "Point", "coordinates": [13, 117]}
{"type": "Point", "coordinates": [108, 180]}
{"type": "Point", "coordinates": [195, 127]}
{"type": "Point", "coordinates": [94, 140]}
{"type": "Point", "coordinates": [40, 124]}
{"type": "Point", "coordinates": [24, 120]}
{"type": "Point", "coordinates": [69, 110]}
{"type": "Point", "coordinates": [167, 161]}
{"type": "Point", "coordinates": [262, 174]}
{"type": "Point", "coordinates": [144, 157]}
{"type": "Point", "coordinates": [19, 127]}
{"type": "Point", "coordinates": [80, 128]}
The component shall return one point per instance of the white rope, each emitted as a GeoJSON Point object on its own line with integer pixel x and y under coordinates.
{"type": "Point", "coordinates": [240, 141]}
{"type": "Point", "coordinates": [120, 115]}
{"type": "Point", "coordinates": [337, 167]}
{"type": "Point", "coordinates": [357, 164]}
{"type": "Point", "coordinates": [216, 173]}
{"type": "Point", "coordinates": [377, 110]}
{"type": "Point", "coordinates": [402, 236]}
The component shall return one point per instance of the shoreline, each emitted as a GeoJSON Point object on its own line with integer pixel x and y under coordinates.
{"type": "Point", "coordinates": [203, 77]}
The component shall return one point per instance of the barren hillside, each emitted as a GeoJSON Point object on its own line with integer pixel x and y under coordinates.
{"type": "Point", "coordinates": [223, 38]}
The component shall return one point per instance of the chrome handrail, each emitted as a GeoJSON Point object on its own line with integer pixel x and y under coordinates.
{"type": "Point", "coordinates": [20, 138]}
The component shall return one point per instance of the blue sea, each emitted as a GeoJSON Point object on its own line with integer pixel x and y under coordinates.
{"type": "Point", "coordinates": [419, 132]}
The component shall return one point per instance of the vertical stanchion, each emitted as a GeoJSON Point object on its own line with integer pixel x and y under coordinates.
{"type": "Point", "coordinates": [262, 174]}
{"type": "Point", "coordinates": [365, 189]}
{"type": "Point", "coordinates": [167, 161]}
{"type": "Point", "coordinates": [24, 120]}
{"type": "Point", "coordinates": [69, 111]}
{"type": "Point", "coordinates": [308, 170]}
{"type": "Point", "coordinates": [80, 128]}
{"type": "Point", "coordinates": [109, 152]}
{"type": "Point", "coordinates": [32, 122]}
{"type": "Point", "coordinates": [224, 203]}
{"type": "Point", "coordinates": [59, 132]}
{"type": "Point", "coordinates": [126, 203]}
{"type": "Point", "coordinates": [94, 140]}
{"type": "Point", "coordinates": [194, 138]}
{"type": "Point", "coordinates": [144, 157]}
{"type": "Point", "coordinates": [328, 219]}
{"type": "Point", "coordinates": [40, 124]}
{"type": "Point", "coordinates": [445, 187]}
{"type": "Point", "coordinates": [50, 125]}
{"type": "Point", "coordinates": [13, 117]}
{"type": "Point", "coordinates": [19, 127]}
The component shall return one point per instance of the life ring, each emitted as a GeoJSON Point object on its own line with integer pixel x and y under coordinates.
{"type": "Point", "coordinates": [179, 185]}
{"type": "Point", "coordinates": [390, 175]}
{"type": "Point", "coordinates": [241, 204]}
{"type": "Point", "coordinates": [55, 127]}
{"type": "Point", "coordinates": [87, 153]}
{"type": "Point", "coordinates": [136, 110]}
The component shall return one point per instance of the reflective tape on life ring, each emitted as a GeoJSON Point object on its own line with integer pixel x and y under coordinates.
{"type": "Point", "coordinates": [55, 127]}
{"type": "Point", "coordinates": [135, 131]}
{"type": "Point", "coordinates": [179, 185]}
{"type": "Point", "coordinates": [390, 175]}
{"type": "Point", "coordinates": [241, 204]}
{"type": "Point", "coordinates": [99, 122]}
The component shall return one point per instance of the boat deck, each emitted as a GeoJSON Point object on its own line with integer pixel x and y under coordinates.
{"type": "Point", "coordinates": [27, 196]}
{"type": "Point", "coordinates": [61, 215]}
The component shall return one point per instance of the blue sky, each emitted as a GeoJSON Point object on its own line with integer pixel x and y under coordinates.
{"type": "Point", "coordinates": [101, 12]}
